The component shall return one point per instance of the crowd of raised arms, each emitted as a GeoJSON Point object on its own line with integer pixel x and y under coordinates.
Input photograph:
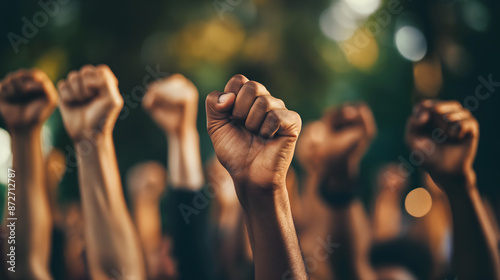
{"type": "Point", "coordinates": [243, 214]}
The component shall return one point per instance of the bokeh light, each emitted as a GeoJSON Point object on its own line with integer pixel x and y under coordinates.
{"type": "Point", "coordinates": [363, 7]}
{"type": "Point", "coordinates": [476, 15]}
{"type": "Point", "coordinates": [428, 77]}
{"type": "Point", "coordinates": [418, 202]}
{"type": "Point", "coordinates": [411, 43]}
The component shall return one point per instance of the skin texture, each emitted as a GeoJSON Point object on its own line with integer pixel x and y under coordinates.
{"type": "Point", "coordinates": [173, 105]}
{"type": "Point", "coordinates": [27, 98]}
{"type": "Point", "coordinates": [254, 137]}
{"type": "Point", "coordinates": [90, 106]}
{"type": "Point", "coordinates": [447, 134]}
{"type": "Point", "coordinates": [346, 133]}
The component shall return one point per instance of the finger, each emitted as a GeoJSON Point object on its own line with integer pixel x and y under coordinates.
{"type": "Point", "coordinates": [75, 84]}
{"type": "Point", "coordinates": [7, 89]}
{"type": "Point", "coordinates": [456, 116]}
{"type": "Point", "coordinates": [87, 73]}
{"type": "Point", "coordinates": [235, 83]}
{"type": "Point", "coordinates": [425, 104]}
{"type": "Point", "coordinates": [67, 96]}
{"type": "Point", "coordinates": [148, 100]}
{"type": "Point", "coordinates": [17, 80]}
{"type": "Point", "coordinates": [106, 73]}
{"type": "Point", "coordinates": [218, 107]}
{"type": "Point", "coordinates": [368, 120]}
{"type": "Point", "coordinates": [246, 97]}
{"type": "Point", "coordinates": [259, 110]}
{"type": "Point", "coordinates": [446, 106]}
{"type": "Point", "coordinates": [281, 122]}
{"type": "Point", "coordinates": [469, 129]}
{"type": "Point", "coordinates": [414, 127]}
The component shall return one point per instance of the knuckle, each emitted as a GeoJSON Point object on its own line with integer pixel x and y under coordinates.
{"type": "Point", "coordinates": [251, 126]}
{"type": "Point", "coordinates": [72, 76]}
{"type": "Point", "coordinates": [273, 118]}
{"type": "Point", "coordinates": [263, 104]}
{"type": "Point", "coordinates": [238, 78]}
{"type": "Point", "coordinates": [87, 70]}
{"type": "Point", "coordinates": [252, 87]}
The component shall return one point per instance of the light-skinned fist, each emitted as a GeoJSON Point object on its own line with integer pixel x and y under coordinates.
{"type": "Point", "coordinates": [173, 104]}
{"type": "Point", "coordinates": [90, 103]}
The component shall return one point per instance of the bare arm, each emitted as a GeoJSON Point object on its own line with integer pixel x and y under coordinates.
{"type": "Point", "coordinates": [447, 134]}
{"type": "Point", "coordinates": [91, 103]}
{"type": "Point", "coordinates": [340, 140]}
{"type": "Point", "coordinates": [27, 98]}
{"type": "Point", "coordinates": [254, 138]}
{"type": "Point", "coordinates": [173, 104]}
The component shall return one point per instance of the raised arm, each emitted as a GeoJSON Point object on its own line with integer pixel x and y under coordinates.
{"type": "Point", "coordinates": [173, 104]}
{"type": "Point", "coordinates": [27, 98]}
{"type": "Point", "coordinates": [90, 106]}
{"type": "Point", "coordinates": [254, 138]}
{"type": "Point", "coordinates": [344, 134]}
{"type": "Point", "coordinates": [445, 136]}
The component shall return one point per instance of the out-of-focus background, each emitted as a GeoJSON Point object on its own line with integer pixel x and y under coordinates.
{"type": "Point", "coordinates": [312, 54]}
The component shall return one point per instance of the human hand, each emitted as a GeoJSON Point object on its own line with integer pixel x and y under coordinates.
{"type": "Point", "coordinates": [90, 103]}
{"type": "Point", "coordinates": [173, 104]}
{"type": "Point", "coordinates": [445, 135]}
{"type": "Point", "coordinates": [253, 135]}
{"type": "Point", "coordinates": [27, 99]}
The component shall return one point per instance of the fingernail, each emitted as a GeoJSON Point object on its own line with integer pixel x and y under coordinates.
{"type": "Point", "coordinates": [223, 97]}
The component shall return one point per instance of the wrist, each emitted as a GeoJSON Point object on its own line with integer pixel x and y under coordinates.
{"type": "Point", "coordinates": [259, 198]}
{"type": "Point", "coordinates": [457, 183]}
{"type": "Point", "coordinates": [20, 133]}
{"type": "Point", "coordinates": [184, 132]}
{"type": "Point", "coordinates": [93, 144]}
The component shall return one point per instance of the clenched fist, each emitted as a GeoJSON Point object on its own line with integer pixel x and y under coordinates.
{"type": "Point", "coordinates": [444, 135]}
{"type": "Point", "coordinates": [27, 99]}
{"type": "Point", "coordinates": [90, 103]}
{"type": "Point", "coordinates": [173, 103]}
{"type": "Point", "coordinates": [253, 135]}
{"type": "Point", "coordinates": [335, 145]}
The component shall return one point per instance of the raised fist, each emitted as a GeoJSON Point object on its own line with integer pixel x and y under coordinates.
{"type": "Point", "coordinates": [443, 136]}
{"type": "Point", "coordinates": [253, 134]}
{"type": "Point", "coordinates": [90, 103]}
{"type": "Point", "coordinates": [27, 99]}
{"type": "Point", "coordinates": [336, 144]}
{"type": "Point", "coordinates": [147, 180]}
{"type": "Point", "coordinates": [172, 103]}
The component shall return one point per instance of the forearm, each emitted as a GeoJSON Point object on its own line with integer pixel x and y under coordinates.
{"type": "Point", "coordinates": [475, 244]}
{"type": "Point", "coordinates": [184, 159]}
{"type": "Point", "coordinates": [112, 243]}
{"type": "Point", "coordinates": [34, 221]}
{"type": "Point", "coordinates": [350, 228]}
{"type": "Point", "coordinates": [275, 247]}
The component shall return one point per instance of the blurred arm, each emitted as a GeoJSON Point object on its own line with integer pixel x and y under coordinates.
{"type": "Point", "coordinates": [113, 247]}
{"type": "Point", "coordinates": [350, 228]}
{"type": "Point", "coordinates": [34, 224]}
{"type": "Point", "coordinates": [473, 233]}
{"type": "Point", "coordinates": [184, 159]}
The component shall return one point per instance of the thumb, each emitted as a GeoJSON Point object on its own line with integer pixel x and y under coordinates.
{"type": "Point", "coordinates": [218, 106]}
{"type": "Point", "coordinates": [148, 100]}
